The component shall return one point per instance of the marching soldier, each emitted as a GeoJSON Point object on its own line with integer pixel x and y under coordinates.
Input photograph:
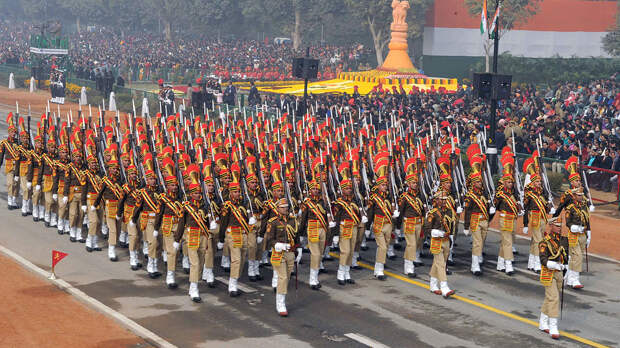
{"type": "Point", "coordinates": [94, 184]}
{"type": "Point", "coordinates": [282, 238]}
{"type": "Point", "coordinates": [445, 179]}
{"type": "Point", "coordinates": [193, 229]}
{"type": "Point", "coordinates": [132, 199]}
{"type": "Point", "coordinates": [553, 257]}
{"type": "Point", "coordinates": [213, 211]}
{"type": "Point", "coordinates": [439, 225]}
{"type": "Point", "coordinates": [146, 210]}
{"type": "Point", "coordinates": [508, 208]}
{"type": "Point", "coordinates": [75, 180]}
{"type": "Point", "coordinates": [270, 210]}
{"type": "Point", "coordinates": [23, 163]}
{"type": "Point", "coordinates": [578, 221]}
{"type": "Point", "coordinates": [112, 193]}
{"type": "Point", "coordinates": [167, 220]}
{"type": "Point", "coordinates": [46, 180]}
{"type": "Point", "coordinates": [256, 200]}
{"type": "Point", "coordinates": [477, 213]}
{"type": "Point", "coordinates": [347, 218]}
{"type": "Point", "coordinates": [412, 216]}
{"type": "Point", "coordinates": [380, 216]}
{"type": "Point", "coordinates": [62, 166]}
{"type": "Point", "coordinates": [8, 151]}
{"type": "Point", "coordinates": [535, 213]}
{"type": "Point", "coordinates": [234, 228]}
{"type": "Point", "coordinates": [34, 175]}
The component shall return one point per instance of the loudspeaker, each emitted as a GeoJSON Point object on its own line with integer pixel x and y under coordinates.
{"type": "Point", "coordinates": [483, 85]}
{"type": "Point", "coordinates": [305, 68]}
{"type": "Point", "coordinates": [298, 67]}
{"type": "Point", "coordinates": [501, 86]}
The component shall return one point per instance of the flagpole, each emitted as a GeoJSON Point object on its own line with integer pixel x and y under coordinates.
{"type": "Point", "coordinates": [53, 275]}
{"type": "Point", "coordinates": [492, 147]}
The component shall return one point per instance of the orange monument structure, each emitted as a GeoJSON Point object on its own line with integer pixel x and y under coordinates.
{"type": "Point", "coordinates": [398, 58]}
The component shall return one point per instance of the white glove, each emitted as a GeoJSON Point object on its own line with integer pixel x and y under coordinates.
{"type": "Point", "coordinates": [466, 232]}
{"type": "Point", "coordinates": [492, 210]}
{"type": "Point", "coordinates": [213, 225]}
{"type": "Point", "coordinates": [332, 224]}
{"type": "Point", "coordinates": [589, 233]}
{"type": "Point", "coordinates": [259, 240]}
{"type": "Point", "coordinates": [252, 221]}
{"type": "Point", "coordinates": [459, 210]}
{"type": "Point", "coordinates": [552, 211]}
{"type": "Point", "coordinates": [576, 228]}
{"type": "Point", "coordinates": [84, 209]}
{"type": "Point", "coordinates": [155, 233]}
{"type": "Point", "coordinates": [525, 230]}
{"type": "Point", "coordinates": [279, 247]}
{"type": "Point", "coordinates": [396, 214]}
{"type": "Point", "coordinates": [336, 239]}
{"type": "Point", "coordinates": [29, 185]}
{"type": "Point", "coordinates": [65, 199]}
{"type": "Point", "coordinates": [37, 188]}
{"type": "Point", "coordinates": [437, 233]}
{"type": "Point", "coordinates": [220, 245]}
{"type": "Point", "coordinates": [555, 265]}
{"type": "Point", "coordinates": [16, 178]}
{"type": "Point", "coordinates": [367, 233]}
{"type": "Point", "coordinates": [364, 219]}
{"type": "Point", "coordinates": [591, 208]}
{"type": "Point", "coordinates": [92, 208]}
{"type": "Point", "coordinates": [176, 245]}
{"type": "Point", "coordinates": [55, 197]}
{"type": "Point", "coordinates": [299, 253]}
{"type": "Point", "coordinates": [131, 223]}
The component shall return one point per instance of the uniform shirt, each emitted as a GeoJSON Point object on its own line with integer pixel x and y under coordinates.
{"type": "Point", "coordinates": [110, 190]}
{"type": "Point", "coordinates": [534, 201]}
{"type": "Point", "coordinates": [34, 169]}
{"type": "Point", "coordinates": [345, 209]}
{"type": "Point", "coordinates": [48, 166]}
{"type": "Point", "coordinates": [281, 229]}
{"type": "Point", "coordinates": [61, 167]}
{"type": "Point", "coordinates": [149, 202]}
{"type": "Point", "coordinates": [566, 199]}
{"type": "Point", "coordinates": [379, 205]}
{"type": "Point", "coordinates": [439, 219]}
{"type": "Point", "coordinates": [171, 206]}
{"type": "Point", "coordinates": [312, 209]}
{"type": "Point", "coordinates": [194, 216]}
{"type": "Point", "coordinates": [578, 214]}
{"type": "Point", "coordinates": [233, 214]}
{"type": "Point", "coordinates": [8, 150]}
{"type": "Point", "coordinates": [553, 247]}
{"type": "Point", "coordinates": [410, 206]}
{"type": "Point", "coordinates": [475, 202]}
{"type": "Point", "coordinates": [24, 159]}
{"type": "Point", "coordinates": [94, 184]}
{"type": "Point", "coordinates": [505, 201]}
{"type": "Point", "coordinates": [74, 177]}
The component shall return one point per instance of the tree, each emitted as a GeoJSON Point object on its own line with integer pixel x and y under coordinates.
{"type": "Point", "coordinates": [512, 13]}
{"type": "Point", "coordinates": [611, 41]}
{"type": "Point", "coordinates": [90, 9]}
{"type": "Point", "coordinates": [377, 15]}
{"type": "Point", "coordinates": [168, 11]}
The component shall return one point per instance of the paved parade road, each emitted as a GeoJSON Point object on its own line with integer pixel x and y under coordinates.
{"type": "Point", "coordinates": [494, 310]}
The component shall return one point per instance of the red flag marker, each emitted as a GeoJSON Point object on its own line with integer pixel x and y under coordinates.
{"type": "Point", "coordinates": [56, 257]}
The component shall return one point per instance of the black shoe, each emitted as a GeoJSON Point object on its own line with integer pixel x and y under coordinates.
{"type": "Point", "coordinates": [89, 249]}
{"type": "Point", "coordinates": [172, 286]}
{"type": "Point", "coordinates": [35, 219]}
{"type": "Point", "coordinates": [154, 275]}
{"type": "Point", "coordinates": [97, 249]}
{"type": "Point", "coordinates": [136, 267]}
{"type": "Point", "coordinates": [364, 248]}
{"type": "Point", "coordinates": [510, 273]}
{"type": "Point", "coordinates": [186, 270]}
{"type": "Point", "coordinates": [397, 246]}
{"type": "Point", "coordinates": [60, 232]}
{"type": "Point", "coordinates": [341, 282]}
{"type": "Point", "coordinates": [516, 252]}
{"type": "Point", "coordinates": [412, 275]}
{"type": "Point", "coordinates": [211, 284]}
{"type": "Point", "coordinates": [72, 239]}
{"type": "Point", "coordinates": [82, 240]}
{"type": "Point", "coordinates": [313, 287]}
{"type": "Point", "coordinates": [234, 293]}
{"type": "Point", "coordinates": [11, 207]}
{"type": "Point", "coordinates": [196, 299]}
{"type": "Point", "coordinates": [393, 257]}
{"type": "Point", "coordinates": [322, 270]}
{"type": "Point", "coordinates": [478, 273]}
{"type": "Point", "coordinates": [450, 263]}
{"type": "Point", "coordinates": [47, 224]}
{"type": "Point", "coordinates": [114, 259]}
{"type": "Point", "coordinates": [226, 269]}
{"type": "Point", "coordinates": [356, 267]}
{"type": "Point", "coordinates": [24, 214]}
{"type": "Point", "coordinates": [381, 277]}
{"type": "Point", "coordinates": [252, 278]}
{"type": "Point", "coordinates": [418, 264]}
{"type": "Point", "coordinates": [350, 281]}
{"type": "Point", "coordinates": [275, 290]}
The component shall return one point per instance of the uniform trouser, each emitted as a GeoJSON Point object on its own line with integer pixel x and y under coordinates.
{"type": "Point", "coordinates": [113, 228]}
{"type": "Point", "coordinates": [210, 252]}
{"type": "Point", "coordinates": [171, 252]}
{"type": "Point", "coordinates": [478, 237]}
{"type": "Point", "coordinates": [237, 254]}
{"type": "Point", "coordinates": [135, 237]}
{"type": "Point", "coordinates": [284, 270]}
{"type": "Point", "coordinates": [382, 238]}
{"type": "Point", "coordinates": [12, 188]}
{"type": "Point", "coordinates": [359, 237]}
{"type": "Point", "coordinates": [252, 244]}
{"type": "Point", "coordinates": [316, 249]}
{"type": "Point", "coordinates": [196, 257]}
{"type": "Point", "coordinates": [537, 237]}
{"type": "Point", "coordinates": [505, 247]}
{"type": "Point", "coordinates": [76, 215]}
{"type": "Point", "coordinates": [154, 242]}
{"type": "Point", "coordinates": [551, 304]}
{"type": "Point", "coordinates": [438, 269]}
{"type": "Point", "coordinates": [37, 197]}
{"type": "Point", "coordinates": [94, 221]}
{"type": "Point", "coordinates": [26, 192]}
{"type": "Point", "coordinates": [577, 253]}
{"type": "Point", "coordinates": [63, 208]}
{"type": "Point", "coordinates": [50, 204]}
{"type": "Point", "coordinates": [413, 242]}
{"type": "Point", "coordinates": [346, 246]}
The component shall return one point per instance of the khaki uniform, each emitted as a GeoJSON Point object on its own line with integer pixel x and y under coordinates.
{"type": "Point", "coordinates": [62, 166]}
{"type": "Point", "coordinates": [535, 208]}
{"type": "Point", "coordinates": [167, 223]}
{"type": "Point", "coordinates": [577, 214]}
{"type": "Point", "coordinates": [313, 222]}
{"type": "Point", "coordinates": [552, 248]}
{"type": "Point", "coordinates": [233, 233]}
{"type": "Point", "coordinates": [347, 218]}
{"type": "Point", "coordinates": [46, 181]}
{"type": "Point", "coordinates": [112, 193]}
{"type": "Point", "coordinates": [380, 216]}
{"type": "Point", "coordinates": [508, 210]}
{"type": "Point", "coordinates": [25, 160]}
{"type": "Point", "coordinates": [410, 221]}
{"type": "Point", "coordinates": [193, 229]}
{"type": "Point", "coordinates": [442, 220]}
{"type": "Point", "coordinates": [34, 175]}
{"type": "Point", "coordinates": [132, 199]}
{"type": "Point", "coordinates": [76, 180]}
{"type": "Point", "coordinates": [476, 208]}
{"type": "Point", "coordinates": [282, 229]}
{"type": "Point", "coordinates": [9, 152]}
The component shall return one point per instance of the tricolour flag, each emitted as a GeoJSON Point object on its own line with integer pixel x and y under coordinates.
{"type": "Point", "coordinates": [495, 19]}
{"type": "Point", "coordinates": [483, 18]}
